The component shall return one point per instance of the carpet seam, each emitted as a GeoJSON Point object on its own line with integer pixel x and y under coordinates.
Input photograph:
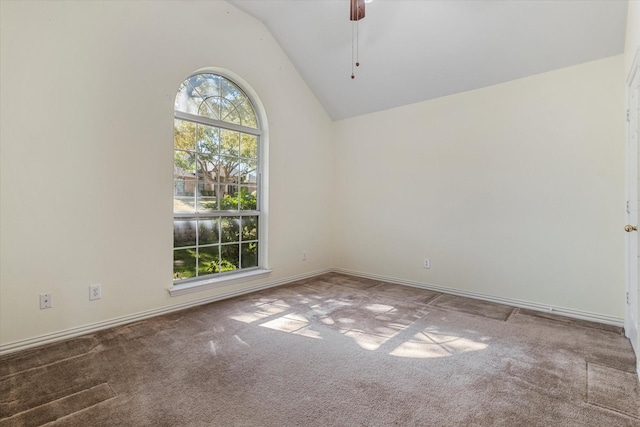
{"type": "Point", "coordinates": [572, 324]}
{"type": "Point", "coordinates": [61, 398]}
{"type": "Point", "coordinates": [455, 310]}
{"type": "Point", "coordinates": [586, 382]}
{"type": "Point", "coordinates": [587, 363]}
{"type": "Point", "coordinates": [609, 367]}
{"type": "Point", "coordinates": [430, 301]}
{"type": "Point", "coordinates": [511, 314]}
{"type": "Point", "coordinates": [55, 362]}
{"type": "Point", "coordinates": [613, 410]}
{"type": "Point", "coordinates": [56, 399]}
{"type": "Point", "coordinates": [76, 412]}
{"type": "Point", "coordinates": [81, 410]}
{"type": "Point", "coordinates": [577, 314]}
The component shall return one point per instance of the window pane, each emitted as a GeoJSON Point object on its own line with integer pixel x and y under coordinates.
{"type": "Point", "coordinates": [209, 231]}
{"type": "Point", "coordinates": [248, 170]}
{"type": "Point", "coordinates": [207, 203]}
{"type": "Point", "coordinates": [210, 107]}
{"type": "Point", "coordinates": [185, 100]}
{"type": "Point", "coordinates": [194, 91]}
{"type": "Point", "coordinates": [211, 164]}
{"type": "Point", "coordinates": [184, 233]}
{"type": "Point", "coordinates": [184, 136]}
{"type": "Point", "coordinates": [184, 164]}
{"type": "Point", "coordinates": [230, 229]}
{"type": "Point", "coordinates": [207, 198]}
{"type": "Point", "coordinates": [248, 200]}
{"type": "Point", "coordinates": [208, 260]}
{"type": "Point", "coordinates": [229, 112]}
{"type": "Point", "coordinates": [244, 110]}
{"type": "Point", "coordinates": [183, 200]}
{"type": "Point", "coordinates": [229, 201]}
{"type": "Point", "coordinates": [184, 181]}
{"type": "Point", "coordinates": [206, 85]}
{"type": "Point", "coordinates": [207, 183]}
{"type": "Point", "coordinates": [230, 256]}
{"type": "Point", "coordinates": [207, 168]}
{"type": "Point", "coordinates": [231, 91]}
{"type": "Point", "coordinates": [249, 228]}
{"type": "Point", "coordinates": [229, 170]}
{"type": "Point", "coordinates": [249, 146]}
{"type": "Point", "coordinates": [208, 139]}
{"type": "Point", "coordinates": [249, 255]}
{"type": "Point", "coordinates": [247, 115]}
{"type": "Point", "coordinates": [184, 264]}
{"type": "Point", "coordinates": [229, 143]}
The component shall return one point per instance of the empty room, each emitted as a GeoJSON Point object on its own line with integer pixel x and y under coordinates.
{"type": "Point", "coordinates": [319, 213]}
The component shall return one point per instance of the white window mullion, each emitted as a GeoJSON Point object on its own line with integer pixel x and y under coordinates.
{"type": "Point", "coordinates": [216, 123]}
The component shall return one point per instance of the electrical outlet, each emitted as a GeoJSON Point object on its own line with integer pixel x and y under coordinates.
{"type": "Point", "coordinates": [45, 301]}
{"type": "Point", "coordinates": [95, 292]}
{"type": "Point", "coordinates": [304, 255]}
{"type": "Point", "coordinates": [427, 263]}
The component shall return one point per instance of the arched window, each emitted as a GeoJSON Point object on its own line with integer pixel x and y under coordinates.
{"type": "Point", "coordinates": [217, 180]}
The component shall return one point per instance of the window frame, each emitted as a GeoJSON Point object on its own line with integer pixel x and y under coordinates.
{"type": "Point", "coordinates": [225, 278]}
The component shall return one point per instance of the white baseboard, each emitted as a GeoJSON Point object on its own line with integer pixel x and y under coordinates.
{"type": "Point", "coordinates": [576, 314]}
{"type": "Point", "coordinates": [16, 346]}
{"type": "Point", "coordinates": [118, 321]}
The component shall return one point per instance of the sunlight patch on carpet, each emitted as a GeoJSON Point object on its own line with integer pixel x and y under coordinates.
{"type": "Point", "coordinates": [261, 312]}
{"type": "Point", "coordinates": [293, 323]}
{"type": "Point", "coordinates": [367, 341]}
{"type": "Point", "coordinates": [427, 344]}
{"type": "Point", "coordinates": [308, 332]}
{"type": "Point", "coordinates": [379, 308]}
{"type": "Point", "coordinates": [285, 324]}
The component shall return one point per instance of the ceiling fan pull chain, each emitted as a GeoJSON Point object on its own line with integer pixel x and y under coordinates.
{"type": "Point", "coordinates": [357, 46]}
{"type": "Point", "coordinates": [353, 26]}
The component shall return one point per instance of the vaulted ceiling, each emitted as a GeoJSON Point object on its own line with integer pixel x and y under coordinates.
{"type": "Point", "coordinates": [415, 50]}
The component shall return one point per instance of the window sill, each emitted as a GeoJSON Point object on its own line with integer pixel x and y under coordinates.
{"type": "Point", "coordinates": [205, 284]}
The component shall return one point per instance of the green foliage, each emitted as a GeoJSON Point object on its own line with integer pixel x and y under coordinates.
{"type": "Point", "coordinates": [249, 255]}
{"type": "Point", "coordinates": [223, 265]}
{"type": "Point", "coordinates": [184, 264]}
{"type": "Point", "coordinates": [244, 199]}
{"type": "Point", "coordinates": [183, 135]}
{"type": "Point", "coordinates": [226, 245]}
{"type": "Point", "coordinates": [249, 228]}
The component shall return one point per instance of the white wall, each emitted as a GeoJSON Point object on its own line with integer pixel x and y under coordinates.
{"type": "Point", "coordinates": [514, 190]}
{"type": "Point", "coordinates": [86, 153]}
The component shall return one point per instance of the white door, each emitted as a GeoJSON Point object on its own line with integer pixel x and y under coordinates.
{"type": "Point", "coordinates": [633, 157]}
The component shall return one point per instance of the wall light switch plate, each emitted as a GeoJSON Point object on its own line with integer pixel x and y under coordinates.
{"type": "Point", "coordinates": [45, 301]}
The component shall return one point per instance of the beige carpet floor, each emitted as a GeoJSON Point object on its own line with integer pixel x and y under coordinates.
{"type": "Point", "coordinates": [334, 350]}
